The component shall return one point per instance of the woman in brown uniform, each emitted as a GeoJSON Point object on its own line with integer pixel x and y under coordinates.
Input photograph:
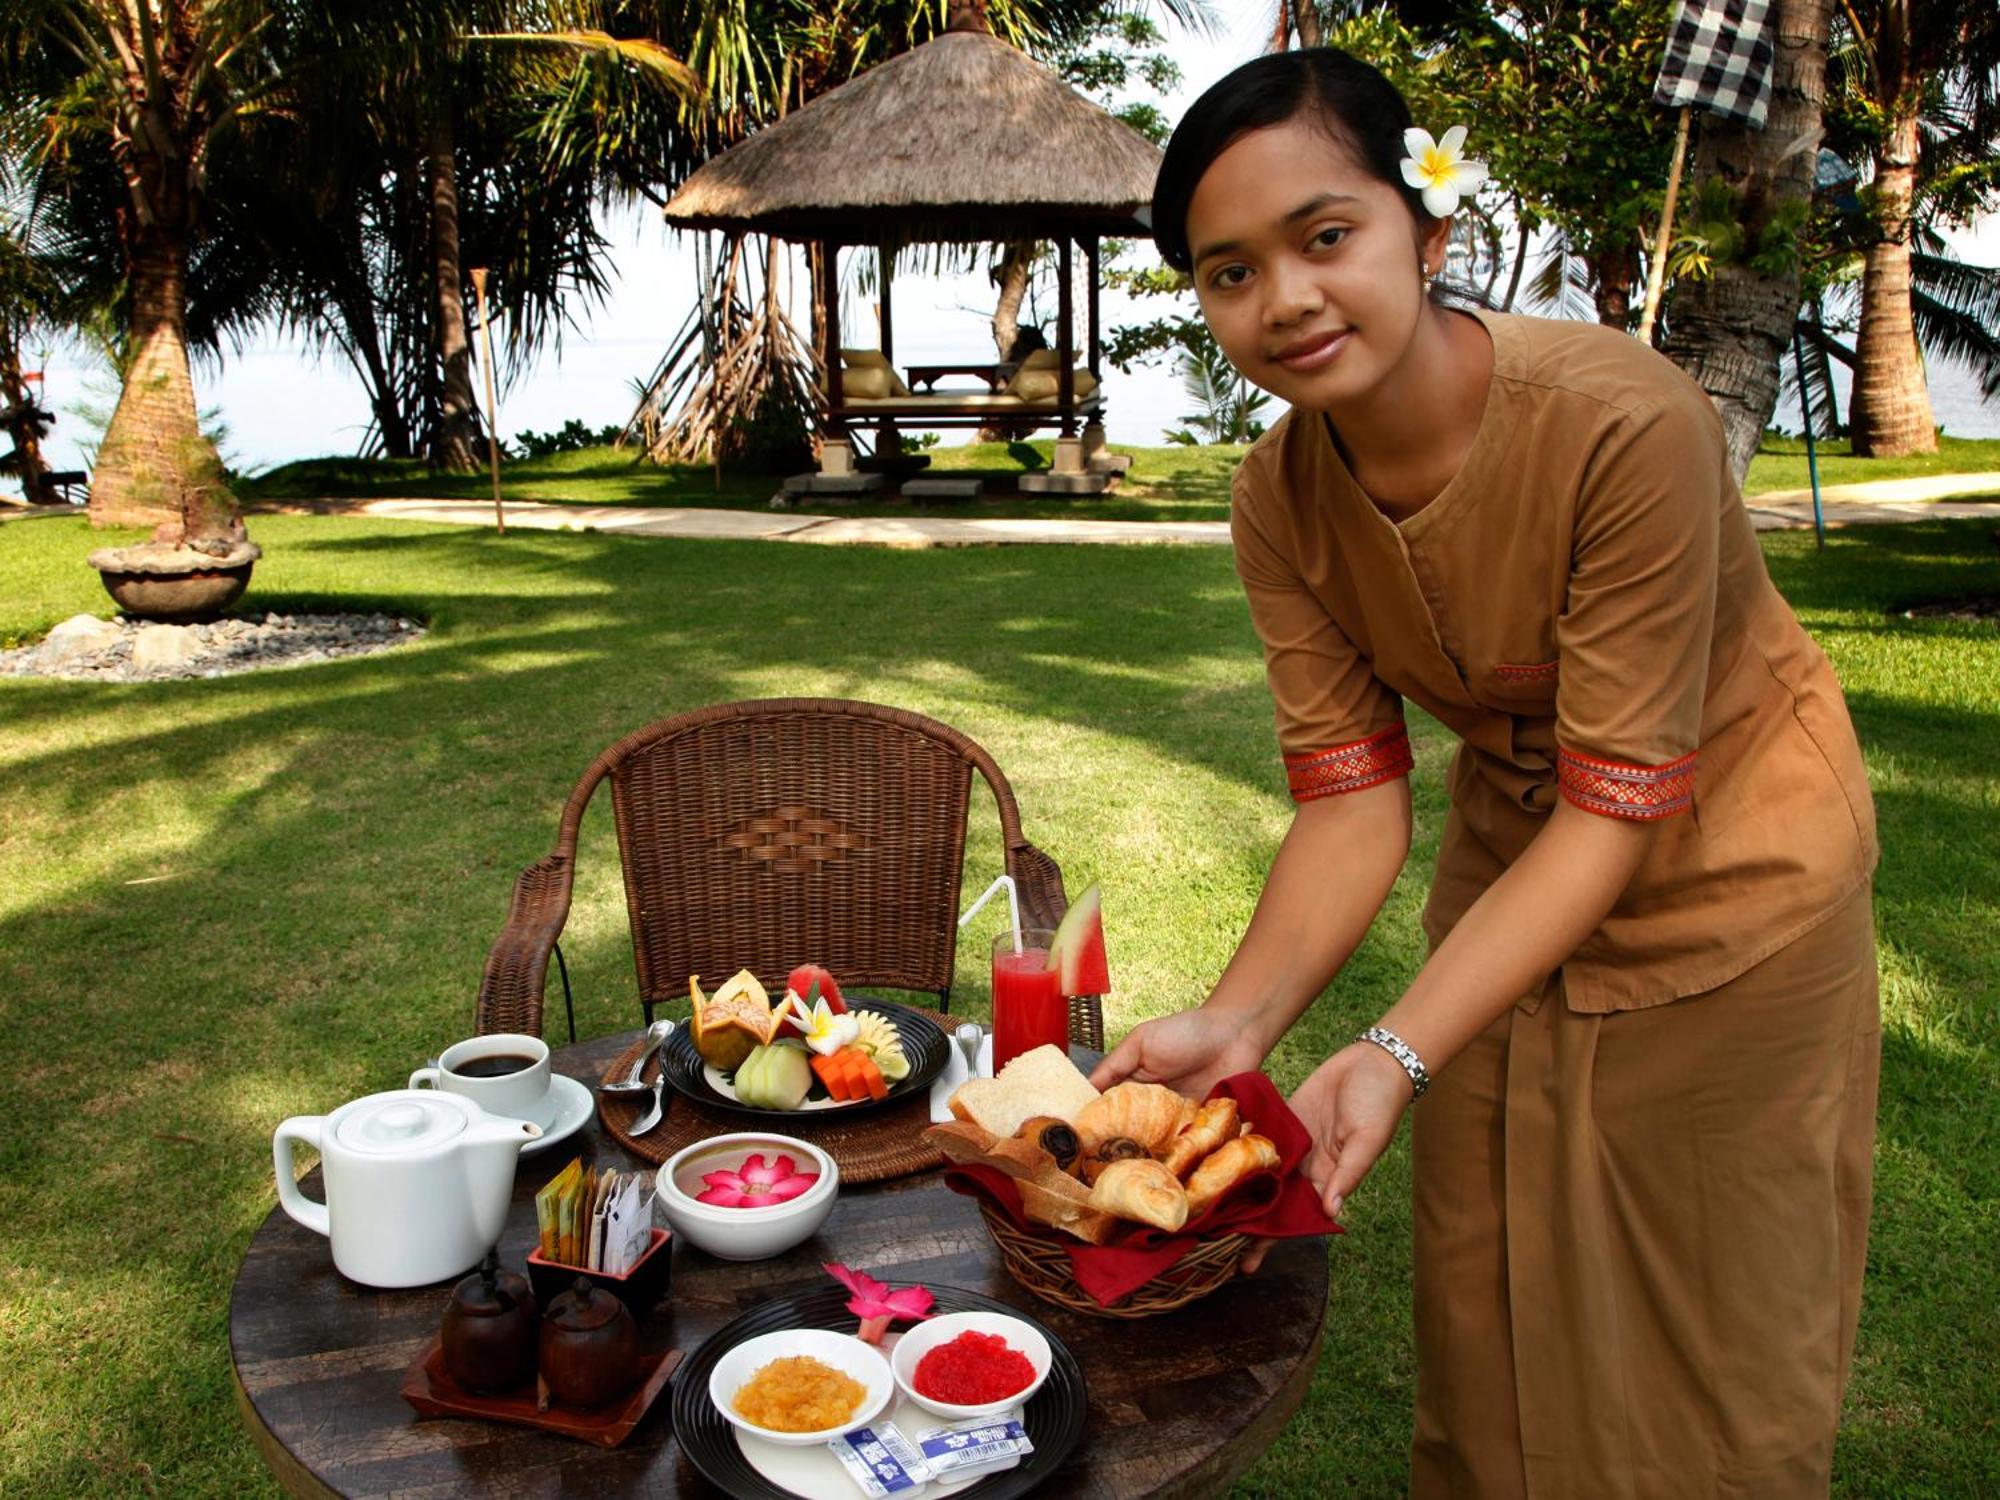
{"type": "Point", "coordinates": [1648, 1021]}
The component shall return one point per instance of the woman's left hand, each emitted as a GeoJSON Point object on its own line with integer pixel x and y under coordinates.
{"type": "Point", "coordinates": [1351, 1104]}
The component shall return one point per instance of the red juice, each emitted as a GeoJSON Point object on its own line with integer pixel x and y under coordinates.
{"type": "Point", "coordinates": [1028, 1006]}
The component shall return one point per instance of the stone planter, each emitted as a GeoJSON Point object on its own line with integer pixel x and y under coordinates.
{"type": "Point", "coordinates": [176, 585]}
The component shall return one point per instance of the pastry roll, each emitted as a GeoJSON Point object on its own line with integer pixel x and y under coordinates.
{"type": "Point", "coordinates": [1119, 1148]}
{"type": "Point", "coordinates": [1230, 1163]}
{"type": "Point", "coordinates": [1214, 1123]}
{"type": "Point", "coordinates": [1057, 1137]}
{"type": "Point", "coordinates": [1150, 1113]}
{"type": "Point", "coordinates": [960, 1140]}
{"type": "Point", "coordinates": [1140, 1189]}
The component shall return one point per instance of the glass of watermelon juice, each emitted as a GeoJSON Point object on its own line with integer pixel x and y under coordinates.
{"type": "Point", "coordinates": [1029, 1010]}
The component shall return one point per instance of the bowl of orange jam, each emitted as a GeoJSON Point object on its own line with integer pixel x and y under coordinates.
{"type": "Point", "coordinates": [801, 1386]}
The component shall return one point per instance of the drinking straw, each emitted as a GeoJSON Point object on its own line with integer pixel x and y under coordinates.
{"type": "Point", "coordinates": [1013, 906]}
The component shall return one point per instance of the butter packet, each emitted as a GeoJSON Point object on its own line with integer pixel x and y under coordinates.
{"type": "Point", "coordinates": [959, 1449]}
{"type": "Point", "coordinates": [881, 1460]}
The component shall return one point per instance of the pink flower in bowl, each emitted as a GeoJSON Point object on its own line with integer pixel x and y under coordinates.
{"type": "Point", "coordinates": [756, 1185]}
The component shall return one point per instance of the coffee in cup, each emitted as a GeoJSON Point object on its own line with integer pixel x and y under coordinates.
{"type": "Point", "coordinates": [505, 1074]}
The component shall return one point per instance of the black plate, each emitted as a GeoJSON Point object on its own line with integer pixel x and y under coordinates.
{"type": "Point", "coordinates": [1053, 1415]}
{"type": "Point", "coordinates": [923, 1044]}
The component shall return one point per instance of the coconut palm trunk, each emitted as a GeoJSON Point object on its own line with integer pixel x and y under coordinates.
{"type": "Point", "coordinates": [1730, 330]}
{"type": "Point", "coordinates": [155, 467]}
{"type": "Point", "coordinates": [452, 441]}
{"type": "Point", "coordinates": [1890, 414]}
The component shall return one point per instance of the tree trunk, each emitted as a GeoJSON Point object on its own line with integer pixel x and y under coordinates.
{"type": "Point", "coordinates": [155, 467]}
{"type": "Point", "coordinates": [1890, 414]}
{"type": "Point", "coordinates": [356, 305]}
{"type": "Point", "coordinates": [1612, 277]}
{"type": "Point", "coordinates": [1305, 17]}
{"type": "Point", "coordinates": [1730, 330]}
{"type": "Point", "coordinates": [24, 423]}
{"type": "Point", "coordinates": [1016, 267]}
{"type": "Point", "coordinates": [451, 443]}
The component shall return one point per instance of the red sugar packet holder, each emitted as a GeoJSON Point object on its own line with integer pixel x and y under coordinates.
{"type": "Point", "coordinates": [1276, 1205]}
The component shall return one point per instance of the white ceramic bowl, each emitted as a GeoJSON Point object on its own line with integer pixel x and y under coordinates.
{"type": "Point", "coordinates": [745, 1233]}
{"type": "Point", "coordinates": [843, 1351]}
{"type": "Point", "coordinates": [927, 1335]}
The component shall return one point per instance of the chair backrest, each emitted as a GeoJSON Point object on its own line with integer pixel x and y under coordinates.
{"type": "Point", "coordinates": [766, 834]}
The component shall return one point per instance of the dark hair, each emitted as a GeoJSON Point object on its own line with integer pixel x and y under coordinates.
{"type": "Point", "coordinates": [1354, 103]}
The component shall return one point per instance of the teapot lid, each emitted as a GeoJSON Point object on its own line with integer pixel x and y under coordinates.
{"type": "Point", "coordinates": [402, 1121]}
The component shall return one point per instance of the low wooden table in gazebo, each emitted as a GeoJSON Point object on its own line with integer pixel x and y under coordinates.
{"type": "Point", "coordinates": [1179, 1405]}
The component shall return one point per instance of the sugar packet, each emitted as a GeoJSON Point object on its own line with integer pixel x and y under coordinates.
{"type": "Point", "coordinates": [881, 1460]}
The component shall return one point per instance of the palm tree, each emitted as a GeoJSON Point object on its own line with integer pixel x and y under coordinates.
{"type": "Point", "coordinates": [1729, 330]}
{"type": "Point", "coordinates": [1917, 86]}
{"type": "Point", "coordinates": [154, 85]}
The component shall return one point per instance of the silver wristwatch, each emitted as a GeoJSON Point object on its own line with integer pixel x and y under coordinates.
{"type": "Point", "coordinates": [1404, 1053]}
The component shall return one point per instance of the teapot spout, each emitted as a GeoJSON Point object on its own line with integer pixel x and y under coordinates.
{"type": "Point", "coordinates": [490, 1150]}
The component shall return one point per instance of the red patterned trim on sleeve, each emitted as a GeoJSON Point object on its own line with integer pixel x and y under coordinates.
{"type": "Point", "coordinates": [1541, 671]}
{"type": "Point", "coordinates": [1617, 790]}
{"type": "Point", "coordinates": [1382, 756]}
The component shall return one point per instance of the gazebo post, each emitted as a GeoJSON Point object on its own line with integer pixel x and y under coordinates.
{"type": "Point", "coordinates": [1093, 432]}
{"type": "Point", "coordinates": [836, 452]}
{"type": "Point", "coordinates": [1069, 448]}
{"type": "Point", "coordinates": [888, 442]}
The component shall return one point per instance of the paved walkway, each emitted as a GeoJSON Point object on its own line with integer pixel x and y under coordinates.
{"type": "Point", "coordinates": [1871, 503]}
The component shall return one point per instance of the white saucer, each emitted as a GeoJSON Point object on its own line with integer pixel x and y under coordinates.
{"type": "Point", "coordinates": [573, 1106]}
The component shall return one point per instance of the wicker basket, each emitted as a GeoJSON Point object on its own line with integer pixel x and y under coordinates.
{"type": "Point", "coordinates": [1040, 1262]}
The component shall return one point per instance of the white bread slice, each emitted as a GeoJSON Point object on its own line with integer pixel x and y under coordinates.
{"type": "Point", "coordinates": [1092, 1225]}
{"type": "Point", "coordinates": [1041, 1082]}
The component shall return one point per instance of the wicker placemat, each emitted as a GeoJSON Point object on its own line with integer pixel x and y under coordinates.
{"type": "Point", "coordinates": [872, 1147]}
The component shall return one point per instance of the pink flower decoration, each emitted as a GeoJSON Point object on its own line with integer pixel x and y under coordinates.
{"type": "Point", "coordinates": [756, 1186]}
{"type": "Point", "coordinates": [875, 1305]}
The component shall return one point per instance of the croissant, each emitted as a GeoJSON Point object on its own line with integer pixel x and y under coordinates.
{"type": "Point", "coordinates": [1139, 1188]}
{"type": "Point", "coordinates": [1054, 1136]}
{"type": "Point", "coordinates": [1214, 1123]}
{"type": "Point", "coordinates": [1150, 1113]}
{"type": "Point", "coordinates": [1228, 1165]}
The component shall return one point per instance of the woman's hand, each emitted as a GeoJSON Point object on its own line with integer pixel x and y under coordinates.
{"type": "Point", "coordinates": [1351, 1105]}
{"type": "Point", "coordinates": [1188, 1051]}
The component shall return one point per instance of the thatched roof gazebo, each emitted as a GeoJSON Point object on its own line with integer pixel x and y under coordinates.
{"type": "Point", "coordinates": [961, 140]}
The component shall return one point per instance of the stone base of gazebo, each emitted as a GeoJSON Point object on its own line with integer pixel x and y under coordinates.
{"type": "Point", "coordinates": [817, 483]}
{"type": "Point", "coordinates": [1085, 483]}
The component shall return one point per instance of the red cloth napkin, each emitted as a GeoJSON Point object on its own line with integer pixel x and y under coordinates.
{"type": "Point", "coordinates": [1270, 1205]}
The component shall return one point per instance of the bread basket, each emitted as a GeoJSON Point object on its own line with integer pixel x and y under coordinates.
{"type": "Point", "coordinates": [1039, 1260]}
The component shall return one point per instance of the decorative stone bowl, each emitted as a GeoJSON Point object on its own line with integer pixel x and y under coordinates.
{"type": "Point", "coordinates": [176, 585]}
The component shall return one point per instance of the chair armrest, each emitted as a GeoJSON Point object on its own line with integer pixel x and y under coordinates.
{"type": "Point", "coordinates": [1038, 883]}
{"type": "Point", "coordinates": [510, 992]}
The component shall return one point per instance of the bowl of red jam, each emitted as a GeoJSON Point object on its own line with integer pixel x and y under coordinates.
{"type": "Point", "coordinates": [970, 1364]}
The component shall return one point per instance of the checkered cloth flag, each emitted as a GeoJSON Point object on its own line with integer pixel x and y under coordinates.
{"type": "Point", "coordinates": [1719, 59]}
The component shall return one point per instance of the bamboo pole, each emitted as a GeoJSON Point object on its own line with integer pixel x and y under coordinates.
{"type": "Point", "coordinates": [492, 401]}
{"type": "Point", "coordinates": [1656, 273]}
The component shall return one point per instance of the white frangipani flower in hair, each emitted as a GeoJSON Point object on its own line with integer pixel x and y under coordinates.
{"type": "Point", "coordinates": [1436, 169]}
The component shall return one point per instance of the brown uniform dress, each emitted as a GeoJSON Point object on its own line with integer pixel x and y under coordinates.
{"type": "Point", "coordinates": [1640, 1206]}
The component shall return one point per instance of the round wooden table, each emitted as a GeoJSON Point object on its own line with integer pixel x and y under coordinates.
{"type": "Point", "coordinates": [1180, 1404]}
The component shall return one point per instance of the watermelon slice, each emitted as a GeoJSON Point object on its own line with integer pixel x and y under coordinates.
{"type": "Point", "coordinates": [1078, 949]}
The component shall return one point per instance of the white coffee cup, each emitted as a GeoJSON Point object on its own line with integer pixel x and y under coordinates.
{"type": "Point", "coordinates": [522, 1094]}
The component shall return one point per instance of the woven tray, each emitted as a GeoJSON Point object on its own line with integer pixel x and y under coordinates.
{"type": "Point", "coordinates": [873, 1147]}
{"type": "Point", "coordinates": [1040, 1262]}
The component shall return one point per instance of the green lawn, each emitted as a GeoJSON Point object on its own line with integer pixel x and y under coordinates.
{"type": "Point", "coordinates": [229, 901]}
{"type": "Point", "coordinates": [1165, 484]}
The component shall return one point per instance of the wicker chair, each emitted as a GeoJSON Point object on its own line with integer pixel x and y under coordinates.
{"type": "Point", "coordinates": [765, 834]}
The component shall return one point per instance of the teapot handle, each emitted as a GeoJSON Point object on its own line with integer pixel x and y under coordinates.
{"type": "Point", "coordinates": [305, 1129]}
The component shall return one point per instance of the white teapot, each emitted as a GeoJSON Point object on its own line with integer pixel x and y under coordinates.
{"type": "Point", "coordinates": [417, 1183]}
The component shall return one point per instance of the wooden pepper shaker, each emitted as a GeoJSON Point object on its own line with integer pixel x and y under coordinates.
{"type": "Point", "coordinates": [490, 1329]}
{"type": "Point", "coordinates": [590, 1346]}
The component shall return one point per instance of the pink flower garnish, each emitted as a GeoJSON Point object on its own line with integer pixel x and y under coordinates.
{"type": "Point", "coordinates": [756, 1186]}
{"type": "Point", "coordinates": [875, 1305]}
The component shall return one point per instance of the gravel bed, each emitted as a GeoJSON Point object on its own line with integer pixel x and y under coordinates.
{"type": "Point", "coordinates": [87, 648]}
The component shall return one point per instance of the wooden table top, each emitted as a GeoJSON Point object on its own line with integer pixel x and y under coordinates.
{"type": "Point", "coordinates": [1180, 1405]}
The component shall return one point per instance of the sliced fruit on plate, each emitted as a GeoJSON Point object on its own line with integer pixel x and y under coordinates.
{"type": "Point", "coordinates": [776, 1076]}
{"type": "Point", "coordinates": [1078, 947]}
{"type": "Point", "coordinates": [725, 1026]}
{"type": "Point", "coordinates": [878, 1037]}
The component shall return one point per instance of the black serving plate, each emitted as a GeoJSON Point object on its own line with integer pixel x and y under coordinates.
{"type": "Point", "coordinates": [1053, 1416]}
{"type": "Point", "coordinates": [924, 1044]}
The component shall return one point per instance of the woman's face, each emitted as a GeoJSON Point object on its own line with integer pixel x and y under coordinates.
{"type": "Point", "coordinates": [1306, 265]}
